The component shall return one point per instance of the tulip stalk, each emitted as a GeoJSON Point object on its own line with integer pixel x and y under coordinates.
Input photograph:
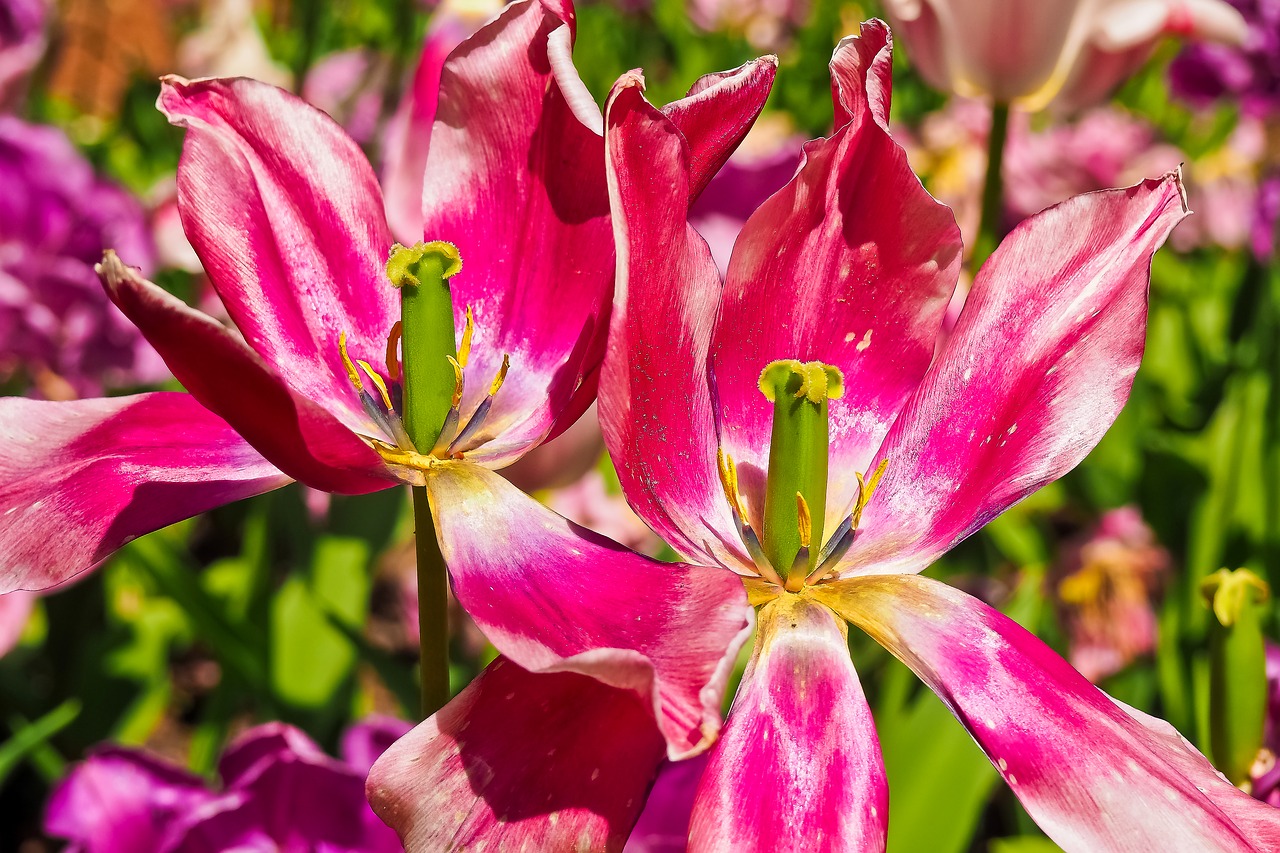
{"type": "Point", "coordinates": [992, 187]}
{"type": "Point", "coordinates": [429, 346]}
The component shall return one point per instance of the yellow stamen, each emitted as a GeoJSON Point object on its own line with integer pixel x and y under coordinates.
{"type": "Point", "coordinates": [502, 375]}
{"type": "Point", "coordinates": [806, 521]}
{"type": "Point", "coordinates": [393, 351]}
{"type": "Point", "coordinates": [866, 488]}
{"type": "Point", "coordinates": [729, 481]}
{"type": "Point", "coordinates": [464, 348]}
{"type": "Point", "coordinates": [346, 360]}
{"type": "Point", "coordinates": [377, 381]}
{"type": "Point", "coordinates": [457, 381]}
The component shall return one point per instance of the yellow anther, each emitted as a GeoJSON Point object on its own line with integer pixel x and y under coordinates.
{"type": "Point", "coordinates": [729, 481]}
{"type": "Point", "coordinates": [866, 488]}
{"type": "Point", "coordinates": [502, 375]}
{"type": "Point", "coordinates": [457, 380]}
{"type": "Point", "coordinates": [346, 361]}
{"type": "Point", "coordinates": [393, 351]}
{"type": "Point", "coordinates": [377, 381]}
{"type": "Point", "coordinates": [464, 348]}
{"type": "Point", "coordinates": [806, 521]}
{"type": "Point", "coordinates": [812, 380]}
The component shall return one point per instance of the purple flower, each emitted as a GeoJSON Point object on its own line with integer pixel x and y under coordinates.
{"type": "Point", "coordinates": [1266, 771]}
{"type": "Point", "coordinates": [1250, 72]}
{"type": "Point", "coordinates": [56, 218]}
{"type": "Point", "coordinates": [21, 43]}
{"type": "Point", "coordinates": [280, 791]}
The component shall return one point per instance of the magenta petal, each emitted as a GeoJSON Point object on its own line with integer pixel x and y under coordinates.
{"type": "Point", "coordinates": [1039, 365]}
{"type": "Point", "coordinates": [553, 596]}
{"type": "Point", "coordinates": [851, 264]}
{"type": "Point", "coordinates": [515, 177]}
{"type": "Point", "coordinates": [663, 826]}
{"type": "Point", "coordinates": [799, 761]}
{"type": "Point", "coordinates": [264, 745]}
{"type": "Point", "coordinates": [521, 761]}
{"type": "Point", "coordinates": [717, 113]}
{"type": "Point", "coordinates": [655, 400]}
{"type": "Point", "coordinates": [1091, 775]}
{"type": "Point", "coordinates": [295, 432]}
{"type": "Point", "coordinates": [285, 213]}
{"type": "Point", "coordinates": [123, 801]}
{"type": "Point", "coordinates": [80, 479]}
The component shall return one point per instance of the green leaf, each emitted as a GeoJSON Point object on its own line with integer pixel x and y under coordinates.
{"type": "Point", "coordinates": [31, 740]}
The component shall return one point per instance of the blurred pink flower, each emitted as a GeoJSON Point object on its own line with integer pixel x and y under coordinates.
{"type": "Point", "coordinates": [1031, 53]}
{"type": "Point", "coordinates": [765, 24]}
{"type": "Point", "coordinates": [228, 43]}
{"type": "Point", "coordinates": [22, 43]}
{"type": "Point", "coordinates": [589, 503]}
{"type": "Point", "coordinates": [1105, 587]}
{"type": "Point", "coordinates": [56, 218]}
{"type": "Point", "coordinates": [279, 791]}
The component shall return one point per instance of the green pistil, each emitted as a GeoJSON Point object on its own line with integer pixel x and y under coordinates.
{"type": "Point", "coordinates": [796, 487]}
{"type": "Point", "coordinates": [428, 341]}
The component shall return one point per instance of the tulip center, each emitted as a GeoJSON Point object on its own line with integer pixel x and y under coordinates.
{"type": "Point", "coordinates": [791, 550]}
{"type": "Point", "coordinates": [419, 410]}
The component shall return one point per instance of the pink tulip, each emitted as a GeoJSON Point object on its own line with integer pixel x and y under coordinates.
{"type": "Point", "coordinates": [1031, 52]}
{"type": "Point", "coordinates": [287, 218]}
{"type": "Point", "coordinates": [852, 264]}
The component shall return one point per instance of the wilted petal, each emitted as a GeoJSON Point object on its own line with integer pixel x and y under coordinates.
{"type": "Point", "coordinates": [1039, 365]}
{"type": "Point", "coordinates": [285, 213]}
{"type": "Point", "coordinates": [553, 596]}
{"type": "Point", "coordinates": [716, 114]}
{"type": "Point", "coordinates": [1091, 775]}
{"type": "Point", "coordinates": [799, 762]}
{"type": "Point", "coordinates": [515, 177]}
{"type": "Point", "coordinates": [521, 761]}
{"type": "Point", "coordinates": [80, 479]}
{"type": "Point", "coordinates": [851, 264]}
{"type": "Point", "coordinates": [122, 801]}
{"type": "Point", "coordinates": [306, 440]}
{"type": "Point", "coordinates": [655, 400]}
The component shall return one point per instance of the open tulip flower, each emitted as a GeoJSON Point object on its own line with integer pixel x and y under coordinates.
{"type": "Point", "coordinates": [288, 220]}
{"type": "Point", "coordinates": [790, 427]}
{"type": "Point", "coordinates": [1032, 52]}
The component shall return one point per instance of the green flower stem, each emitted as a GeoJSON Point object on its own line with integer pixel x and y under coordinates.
{"type": "Point", "coordinates": [433, 608]}
{"type": "Point", "coordinates": [992, 188]}
{"type": "Point", "coordinates": [428, 342]}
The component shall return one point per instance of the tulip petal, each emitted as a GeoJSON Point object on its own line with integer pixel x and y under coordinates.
{"type": "Point", "coordinates": [716, 114]}
{"type": "Point", "coordinates": [79, 479]}
{"type": "Point", "coordinates": [1091, 775]}
{"type": "Point", "coordinates": [515, 178]}
{"type": "Point", "coordinates": [521, 761]}
{"type": "Point", "coordinates": [554, 596]}
{"type": "Point", "coordinates": [1038, 367]}
{"type": "Point", "coordinates": [285, 213]}
{"type": "Point", "coordinates": [299, 436]}
{"type": "Point", "coordinates": [799, 762]}
{"type": "Point", "coordinates": [655, 400]}
{"type": "Point", "coordinates": [852, 264]}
